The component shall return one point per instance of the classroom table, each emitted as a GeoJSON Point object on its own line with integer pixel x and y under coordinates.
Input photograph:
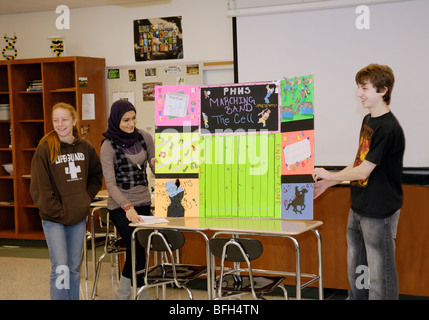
{"type": "Point", "coordinates": [243, 226]}
{"type": "Point", "coordinates": [96, 205]}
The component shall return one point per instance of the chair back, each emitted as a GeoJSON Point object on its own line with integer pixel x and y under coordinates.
{"type": "Point", "coordinates": [251, 247]}
{"type": "Point", "coordinates": [103, 214]}
{"type": "Point", "coordinates": [159, 238]}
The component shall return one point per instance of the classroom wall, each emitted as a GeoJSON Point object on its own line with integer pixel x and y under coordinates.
{"type": "Point", "coordinates": [107, 31]}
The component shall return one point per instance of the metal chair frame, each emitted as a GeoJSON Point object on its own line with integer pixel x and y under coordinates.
{"type": "Point", "coordinates": [165, 246]}
{"type": "Point", "coordinates": [242, 256]}
{"type": "Point", "coordinates": [111, 247]}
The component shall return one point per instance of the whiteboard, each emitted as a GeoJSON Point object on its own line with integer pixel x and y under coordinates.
{"type": "Point", "coordinates": [327, 44]}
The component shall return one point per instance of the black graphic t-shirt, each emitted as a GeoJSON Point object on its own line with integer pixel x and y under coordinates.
{"type": "Point", "coordinates": [381, 142]}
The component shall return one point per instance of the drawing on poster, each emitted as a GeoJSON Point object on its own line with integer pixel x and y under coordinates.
{"type": "Point", "coordinates": [176, 153]}
{"type": "Point", "coordinates": [239, 108]}
{"type": "Point", "coordinates": [297, 152]}
{"type": "Point", "coordinates": [297, 101]}
{"type": "Point", "coordinates": [176, 197]}
{"type": "Point", "coordinates": [297, 201]}
{"type": "Point", "coordinates": [177, 106]}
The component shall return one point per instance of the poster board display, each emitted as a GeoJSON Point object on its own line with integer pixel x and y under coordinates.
{"type": "Point", "coordinates": [236, 168]}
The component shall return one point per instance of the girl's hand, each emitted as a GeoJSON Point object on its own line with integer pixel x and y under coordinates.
{"type": "Point", "coordinates": [152, 162]}
{"type": "Point", "coordinates": [133, 216]}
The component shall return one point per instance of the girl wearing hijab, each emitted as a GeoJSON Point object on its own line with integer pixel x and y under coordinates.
{"type": "Point", "coordinates": [125, 153]}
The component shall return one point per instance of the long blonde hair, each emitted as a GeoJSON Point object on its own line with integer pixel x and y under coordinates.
{"type": "Point", "coordinates": [51, 137]}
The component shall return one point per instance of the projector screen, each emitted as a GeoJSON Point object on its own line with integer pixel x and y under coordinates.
{"type": "Point", "coordinates": [328, 45]}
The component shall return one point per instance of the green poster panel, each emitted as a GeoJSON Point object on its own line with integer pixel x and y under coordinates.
{"type": "Point", "coordinates": [202, 177]}
{"type": "Point", "coordinates": [219, 175]}
{"type": "Point", "coordinates": [239, 176]}
{"type": "Point", "coordinates": [296, 98]}
{"type": "Point", "coordinates": [176, 152]}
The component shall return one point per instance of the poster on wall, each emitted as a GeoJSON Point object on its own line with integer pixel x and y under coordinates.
{"type": "Point", "coordinates": [158, 39]}
{"type": "Point", "coordinates": [244, 107]}
{"type": "Point", "coordinates": [148, 89]}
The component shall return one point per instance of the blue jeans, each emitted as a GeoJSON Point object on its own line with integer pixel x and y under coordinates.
{"type": "Point", "coordinates": [371, 263]}
{"type": "Point", "coordinates": [65, 250]}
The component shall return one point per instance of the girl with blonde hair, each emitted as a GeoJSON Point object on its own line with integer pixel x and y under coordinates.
{"type": "Point", "coordinates": [66, 175]}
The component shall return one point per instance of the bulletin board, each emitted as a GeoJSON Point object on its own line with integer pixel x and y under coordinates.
{"type": "Point", "coordinates": [137, 83]}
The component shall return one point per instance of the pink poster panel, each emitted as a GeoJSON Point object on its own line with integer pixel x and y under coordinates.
{"type": "Point", "coordinates": [177, 106]}
{"type": "Point", "coordinates": [297, 152]}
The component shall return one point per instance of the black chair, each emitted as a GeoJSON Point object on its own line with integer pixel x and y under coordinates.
{"type": "Point", "coordinates": [113, 245]}
{"type": "Point", "coordinates": [166, 241]}
{"type": "Point", "coordinates": [231, 282]}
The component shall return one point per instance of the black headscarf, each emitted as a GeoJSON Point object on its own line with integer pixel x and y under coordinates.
{"type": "Point", "coordinates": [121, 138]}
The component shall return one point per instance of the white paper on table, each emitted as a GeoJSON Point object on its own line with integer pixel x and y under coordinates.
{"type": "Point", "coordinates": [151, 220]}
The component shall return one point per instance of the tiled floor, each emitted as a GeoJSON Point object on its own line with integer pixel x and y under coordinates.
{"type": "Point", "coordinates": [24, 275]}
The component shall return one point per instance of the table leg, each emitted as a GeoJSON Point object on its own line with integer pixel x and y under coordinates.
{"type": "Point", "coordinates": [85, 249]}
{"type": "Point", "coordinates": [319, 255]}
{"type": "Point", "coordinates": [133, 263]}
{"type": "Point", "coordinates": [93, 241]}
{"type": "Point", "coordinates": [210, 279]}
{"type": "Point", "coordinates": [298, 267]}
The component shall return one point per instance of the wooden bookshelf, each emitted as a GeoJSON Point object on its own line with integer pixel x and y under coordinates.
{"type": "Point", "coordinates": [31, 119]}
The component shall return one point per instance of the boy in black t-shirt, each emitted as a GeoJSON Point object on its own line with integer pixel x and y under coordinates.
{"type": "Point", "coordinates": [376, 190]}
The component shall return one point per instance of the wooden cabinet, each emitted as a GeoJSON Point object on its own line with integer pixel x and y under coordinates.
{"type": "Point", "coordinates": [64, 79]}
{"type": "Point", "coordinates": [7, 221]}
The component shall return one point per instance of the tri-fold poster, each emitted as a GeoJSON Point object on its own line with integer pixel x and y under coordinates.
{"type": "Point", "coordinates": [235, 150]}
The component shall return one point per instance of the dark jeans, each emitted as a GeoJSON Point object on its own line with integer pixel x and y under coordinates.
{"type": "Point", "coordinates": [121, 223]}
